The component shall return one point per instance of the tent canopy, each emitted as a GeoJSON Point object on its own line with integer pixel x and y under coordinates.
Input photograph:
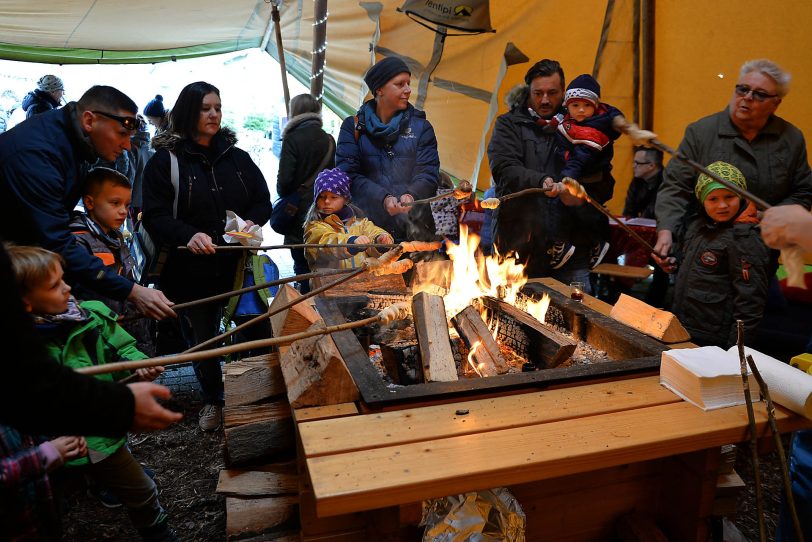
{"type": "Point", "coordinates": [459, 81]}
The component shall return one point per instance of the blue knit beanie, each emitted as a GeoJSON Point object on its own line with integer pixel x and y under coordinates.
{"type": "Point", "coordinates": [155, 107]}
{"type": "Point", "coordinates": [583, 87]}
{"type": "Point", "coordinates": [332, 180]}
{"type": "Point", "coordinates": [380, 74]}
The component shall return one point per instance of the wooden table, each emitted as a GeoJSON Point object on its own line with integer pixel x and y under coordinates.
{"type": "Point", "coordinates": [576, 458]}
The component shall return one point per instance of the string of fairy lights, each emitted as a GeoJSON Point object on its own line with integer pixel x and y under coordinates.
{"type": "Point", "coordinates": [320, 51]}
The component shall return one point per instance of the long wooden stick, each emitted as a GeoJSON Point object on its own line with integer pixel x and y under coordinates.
{"type": "Point", "coordinates": [260, 286]}
{"type": "Point", "coordinates": [386, 246]}
{"type": "Point", "coordinates": [217, 352]}
{"type": "Point", "coordinates": [462, 191]}
{"type": "Point", "coordinates": [277, 310]}
{"type": "Point", "coordinates": [751, 419]}
{"type": "Point", "coordinates": [765, 392]}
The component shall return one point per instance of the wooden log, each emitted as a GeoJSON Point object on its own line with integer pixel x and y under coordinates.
{"type": "Point", "coordinates": [256, 516]}
{"type": "Point", "coordinates": [428, 312]}
{"type": "Point", "coordinates": [660, 324]}
{"type": "Point", "coordinates": [363, 284]}
{"type": "Point", "coordinates": [247, 382]}
{"type": "Point", "coordinates": [639, 528]}
{"type": "Point", "coordinates": [243, 414]}
{"type": "Point", "coordinates": [295, 319]}
{"type": "Point", "coordinates": [472, 329]}
{"type": "Point", "coordinates": [315, 373]}
{"type": "Point", "coordinates": [257, 483]}
{"type": "Point", "coordinates": [253, 442]}
{"type": "Point", "coordinates": [553, 347]}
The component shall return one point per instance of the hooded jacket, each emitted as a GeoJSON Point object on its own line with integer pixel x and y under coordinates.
{"type": "Point", "coordinates": [37, 101]}
{"type": "Point", "coordinates": [43, 162]}
{"type": "Point", "coordinates": [723, 276]}
{"type": "Point", "coordinates": [332, 230]}
{"type": "Point", "coordinates": [211, 181]}
{"type": "Point", "coordinates": [304, 146]}
{"type": "Point", "coordinates": [378, 168]}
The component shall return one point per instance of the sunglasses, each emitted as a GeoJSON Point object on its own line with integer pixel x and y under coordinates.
{"type": "Point", "coordinates": [130, 123]}
{"type": "Point", "coordinates": [758, 95]}
{"type": "Point", "coordinates": [636, 163]}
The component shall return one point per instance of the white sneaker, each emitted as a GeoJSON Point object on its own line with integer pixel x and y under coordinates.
{"type": "Point", "coordinates": [210, 417]}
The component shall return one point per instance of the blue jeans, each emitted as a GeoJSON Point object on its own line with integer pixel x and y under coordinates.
{"type": "Point", "coordinates": [199, 324]}
{"type": "Point", "coordinates": [800, 475]}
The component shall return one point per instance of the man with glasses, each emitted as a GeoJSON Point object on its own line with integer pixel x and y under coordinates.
{"type": "Point", "coordinates": [769, 151]}
{"type": "Point", "coordinates": [43, 163]}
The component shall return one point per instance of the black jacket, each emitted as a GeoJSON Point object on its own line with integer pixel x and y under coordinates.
{"type": "Point", "coordinates": [37, 101]}
{"type": "Point", "coordinates": [522, 154]}
{"type": "Point", "coordinates": [212, 181]}
{"type": "Point", "coordinates": [304, 146]}
{"type": "Point", "coordinates": [642, 196]}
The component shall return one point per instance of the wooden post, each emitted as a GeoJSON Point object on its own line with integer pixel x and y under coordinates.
{"type": "Point", "coordinates": [660, 324]}
{"type": "Point", "coordinates": [472, 329]}
{"type": "Point", "coordinates": [431, 325]}
{"type": "Point", "coordinates": [319, 49]}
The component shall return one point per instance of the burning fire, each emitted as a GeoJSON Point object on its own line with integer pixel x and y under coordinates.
{"type": "Point", "coordinates": [471, 362]}
{"type": "Point", "coordinates": [474, 275]}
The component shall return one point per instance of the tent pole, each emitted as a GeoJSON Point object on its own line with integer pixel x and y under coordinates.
{"type": "Point", "coordinates": [436, 56]}
{"type": "Point", "coordinates": [281, 51]}
{"type": "Point", "coordinates": [647, 95]}
{"type": "Point", "coordinates": [607, 22]}
{"type": "Point", "coordinates": [636, 61]}
{"type": "Point", "coordinates": [319, 49]}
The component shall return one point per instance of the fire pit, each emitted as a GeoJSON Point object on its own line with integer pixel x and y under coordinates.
{"type": "Point", "coordinates": [627, 350]}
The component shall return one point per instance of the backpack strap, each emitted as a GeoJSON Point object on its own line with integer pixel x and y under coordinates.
{"type": "Point", "coordinates": [174, 177]}
{"type": "Point", "coordinates": [357, 128]}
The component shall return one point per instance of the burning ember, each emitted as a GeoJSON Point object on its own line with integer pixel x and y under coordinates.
{"type": "Point", "coordinates": [474, 275]}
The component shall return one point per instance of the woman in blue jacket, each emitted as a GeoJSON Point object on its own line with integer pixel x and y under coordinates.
{"type": "Point", "coordinates": [389, 151]}
{"type": "Point", "coordinates": [214, 176]}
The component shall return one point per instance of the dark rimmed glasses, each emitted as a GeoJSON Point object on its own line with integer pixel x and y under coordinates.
{"type": "Point", "coordinates": [758, 95]}
{"type": "Point", "coordinates": [130, 123]}
{"type": "Point", "coordinates": [636, 163]}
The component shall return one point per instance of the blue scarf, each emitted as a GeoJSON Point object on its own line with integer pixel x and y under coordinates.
{"type": "Point", "coordinates": [376, 128]}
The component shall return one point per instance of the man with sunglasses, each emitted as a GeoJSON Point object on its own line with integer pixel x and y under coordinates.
{"type": "Point", "coordinates": [43, 162]}
{"type": "Point", "coordinates": [769, 151]}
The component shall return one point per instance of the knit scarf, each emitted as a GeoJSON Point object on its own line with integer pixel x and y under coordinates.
{"type": "Point", "coordinates": [344, 214]}
{"type": "Point", "coordinates": [75, 313]}
{"type": "Point", "coordinates": [375, 127]}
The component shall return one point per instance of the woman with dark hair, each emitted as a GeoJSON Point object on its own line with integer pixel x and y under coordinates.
{"type": "Point", "coordinates": [389, 150]}
{"type": "Point", "coordinates": [214, 176]}
{"type": "Point", "coordinates": [306, 150]}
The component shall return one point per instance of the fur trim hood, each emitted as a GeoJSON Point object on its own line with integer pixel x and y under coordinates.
{"type": "Point", "coordinates": [173, 140]}
{"type": "Point", "coordinates": [517, 96]}
{"type": "Point", "coordinates": [298, 120]}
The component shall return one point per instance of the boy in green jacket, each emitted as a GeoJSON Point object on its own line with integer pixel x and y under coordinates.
{"type": "Point", "coordinates": [80, 335]}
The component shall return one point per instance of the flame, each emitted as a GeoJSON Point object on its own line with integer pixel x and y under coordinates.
{"type": "Point", "coordinates": [471, 358]}
{"type": "Point", "coordinates": [474, 275]}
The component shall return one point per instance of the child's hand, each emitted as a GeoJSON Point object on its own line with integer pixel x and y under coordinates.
{"type": "Point", "coordinates": [148, 374]}
{"type": "Point", "coordinates": [70, 447]}
{"type": "Point", "coordinates": [362, 240]}
{"type": "Point", "coordinates": [385, 239]}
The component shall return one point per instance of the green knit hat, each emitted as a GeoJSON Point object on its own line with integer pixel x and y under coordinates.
{"type": "Point", "coordinates": [705, 185]}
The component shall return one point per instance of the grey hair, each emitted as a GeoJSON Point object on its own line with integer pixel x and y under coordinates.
{"type": "Point", "coordinates": [771, 70]}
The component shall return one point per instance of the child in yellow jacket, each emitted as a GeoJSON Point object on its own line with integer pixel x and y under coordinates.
{"type": "Point", "coordinates": [332, 220]}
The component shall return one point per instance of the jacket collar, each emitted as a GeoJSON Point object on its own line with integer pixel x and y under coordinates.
{"type": "Point", "coordinates": [727, 128]}
{"type": "Point", "coordinates": [298, 120]}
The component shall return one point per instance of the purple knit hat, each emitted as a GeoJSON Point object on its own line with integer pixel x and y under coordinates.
{"type": "Point", "coordinates": [332, 180]}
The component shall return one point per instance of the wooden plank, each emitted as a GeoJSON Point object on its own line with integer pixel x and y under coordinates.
{"type": "Point", "coordinates": [242, 414]}
{"type": "Point", "coordinates": [623, 271]}
{"type": "Point", "coordinates": [431, 326]}
{"type": "Point", "coordinates": [592, 302]}
{"type": "Point", "coordinates": [325, 412]}
{"type": "Point", "coordinates": [472, 329]}
{"type": "Point", "coordinates": [362, 285]}
{"type": "Point", "coordinates": [257, 483]}
{"type": "Point", "coordinates": [296, 319]}
{"type": "Point", "coordinates": [392, 475]}
{"type": "Point", "coordinates": [657, 323]}
{"type": "Point", "coordinates": [553, 347]}
{"type": "Point", "coordinates": [513, 411]}
{"type": "Point", "coordinates": [255, 516]}
{"type": "Point", "coordinates": [315, 374]}
{"type": "Point", "coordinates": [254, 441]}
{"type": "Point", "coordinates": [247, 382]}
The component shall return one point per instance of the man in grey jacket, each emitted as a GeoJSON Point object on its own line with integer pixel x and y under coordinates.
{"type": "Point", "coordinates": [769, 151]}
